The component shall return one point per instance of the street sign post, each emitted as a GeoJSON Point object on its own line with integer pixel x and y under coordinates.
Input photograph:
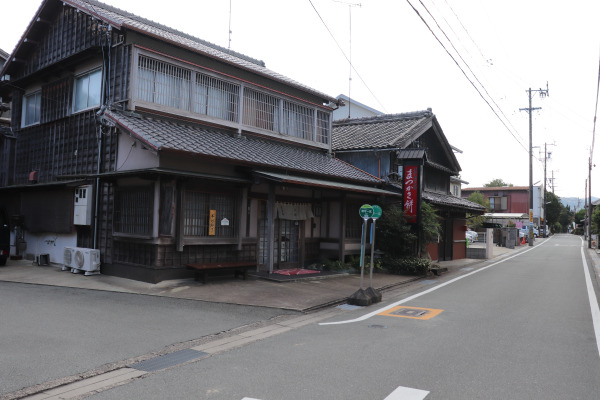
{"type": "Point", "coordinates": [366, 297]}
{"type": "Point", "coordinates": [375, 295]}
{"type": "Point", "coordinates": [376, 214]}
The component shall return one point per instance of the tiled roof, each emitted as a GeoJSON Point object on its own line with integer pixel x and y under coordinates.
{"type": "Point", "coordinates": [448, 200]}
{"type": "Point", "coordinates": [496, 188]}
{"type": "Point", "coordinates": [382, 131]}
{"type": "Point", "coordinates": [411, 154]}
{"type": "Point", "coordinates": [162, 135]}
{"type": "Point", "coordinates": [123, 19]}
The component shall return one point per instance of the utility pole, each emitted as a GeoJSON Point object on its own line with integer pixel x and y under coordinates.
{"type": "Point", "coordinates": [546, 157]}
{"type": "Point", "coordinates": [544, 222]}
{"type": "Point", "coordinates": [589, 210]}
{"type": "Point", "coordinates": [586, 219]}
{"type": "Point", "coordinates": [543, 93]}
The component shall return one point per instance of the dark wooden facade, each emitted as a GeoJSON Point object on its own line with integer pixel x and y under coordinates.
{"type": "Point", "coordinates": [424, 144]}
{"type": "Point", "coordinates": [64, 149]}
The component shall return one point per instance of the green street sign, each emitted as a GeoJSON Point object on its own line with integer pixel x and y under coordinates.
{"type": "Point", "coordinates": [366, 211]}
{"type": "Point", "coordinates": [376, 212]}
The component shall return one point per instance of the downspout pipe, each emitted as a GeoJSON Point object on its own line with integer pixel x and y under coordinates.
{"type": "Point", "coordinates": [100, 114]}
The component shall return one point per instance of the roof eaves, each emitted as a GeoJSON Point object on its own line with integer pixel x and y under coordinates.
{"type": "Point", "coordinates": [162, 32]}
{"type": "Point", "coordinates": [131, 129]}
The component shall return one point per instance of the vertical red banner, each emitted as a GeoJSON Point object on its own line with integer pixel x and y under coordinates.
{"type": "Point", "coordinates": [411, 187]}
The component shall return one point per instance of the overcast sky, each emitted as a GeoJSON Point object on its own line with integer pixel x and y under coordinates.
{"type": "Point", "coordinates": [504, 48]}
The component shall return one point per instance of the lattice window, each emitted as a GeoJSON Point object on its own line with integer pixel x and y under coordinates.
{"type": "Point", "coordinates": [197, 209]}
{"type": "Point", "coordinates": [173, 86]}
{"type": "Point", "coordinates": [163, 83]}
{"type": "Point", "coordinates": [133, 210]}
{"type": "Point", "coordinates": [261, 110]}
{"type": "Point", "coordinates": [353, 221]}
{"type": "Point", "coordinates": [323, 127]}
{"type": "Point", "coordinates": [215, 97]}
{"type": "Point", "coordinates": [297, 120]}
{"type": "Point", "coordinates": [167, 209]}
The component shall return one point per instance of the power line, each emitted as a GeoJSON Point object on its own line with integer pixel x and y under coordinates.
{"type": "Point", "coordinates": [466, 76]}
{"type": "Point", "coordinates": [466, 64]}
{"type": "Point", "coordinates": [345, 56]}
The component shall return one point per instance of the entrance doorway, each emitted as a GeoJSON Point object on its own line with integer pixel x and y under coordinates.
{"type": "Point", "coordinates": [287, 241]}
{"type": "Point", "coordinates": [445, 246]}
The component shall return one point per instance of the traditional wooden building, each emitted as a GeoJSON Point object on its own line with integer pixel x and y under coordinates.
{"type": "Point", "coordinates": [160, 150]}
{"type": "Point", "coordinates": [385, 145]}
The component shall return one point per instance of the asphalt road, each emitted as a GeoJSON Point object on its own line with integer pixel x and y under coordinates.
{"type": "Point", "coordinates": [517, 329]}
{"type": "Point", "coordinates": [48, 333]}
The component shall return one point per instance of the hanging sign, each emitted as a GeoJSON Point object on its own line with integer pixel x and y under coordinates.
{"type": "Point", "coordinates": [411, 193]}
{"type": "Point", "coordinates": [212, 222]}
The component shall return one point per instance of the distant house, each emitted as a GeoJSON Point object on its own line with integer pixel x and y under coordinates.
{"type": "Point", "coordinates": [511, 203]}
{"type": "Point", "coordinates": [384, 145]}
{"type": "Point", "coordinates": [160, 150]}
{"type": "Point", "coordinates": [350, 108]}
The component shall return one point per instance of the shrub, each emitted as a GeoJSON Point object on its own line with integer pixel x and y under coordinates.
{"type": "Point", "coordinates": [394, 236]}
{"type": "Point", "coordinates": [406, 265]}
{"type": "Point", "coordinates": [333, 265]}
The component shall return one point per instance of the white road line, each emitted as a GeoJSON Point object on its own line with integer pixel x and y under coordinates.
{"type": "Point", "coordinates": [592, 298]}
{"type": "Point", "coordinates": [405, 393]}
{"type": "Point", "coordinates": [401, 393]}
{"type": "Point", "coordinates": [371, 314]}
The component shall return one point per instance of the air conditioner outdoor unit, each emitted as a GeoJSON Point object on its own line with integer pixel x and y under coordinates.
{"type": "Point", "coordinates": [79, 259]}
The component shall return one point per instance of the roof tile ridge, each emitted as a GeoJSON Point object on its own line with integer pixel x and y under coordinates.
{"type": "Point", "coordinates": [385, 118]}
{"type": "Point", "coordinates": [158, 25]}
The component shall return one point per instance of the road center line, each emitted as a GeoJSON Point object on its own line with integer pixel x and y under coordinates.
{"type": "Point", "coordinates": [405, 393]}
{"type": "Point", "coordinates": [414, 296]}
{"type": "Point", "coordinates": [592, 298]}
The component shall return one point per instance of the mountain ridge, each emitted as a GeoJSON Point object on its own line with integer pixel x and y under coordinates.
{"type": "Point", "coordinates": [575, 203]}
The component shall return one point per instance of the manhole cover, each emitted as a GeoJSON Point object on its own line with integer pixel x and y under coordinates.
{"type": "Point", "coordinates": [411, 312]}
{"type": "Point", "coordinates": [378, 326]}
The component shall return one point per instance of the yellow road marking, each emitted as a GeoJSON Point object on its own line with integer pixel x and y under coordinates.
{"type": "Point", "coordinates": [411, 312]}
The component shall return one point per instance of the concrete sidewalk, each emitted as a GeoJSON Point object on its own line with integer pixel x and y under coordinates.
{"type": "Point", "coordinates": [300, 295]}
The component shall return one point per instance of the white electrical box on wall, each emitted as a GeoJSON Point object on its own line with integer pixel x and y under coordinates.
{"type": "Point", "coordinates": [83, 205]}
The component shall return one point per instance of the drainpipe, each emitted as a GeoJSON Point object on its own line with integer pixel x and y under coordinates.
{"type": "Point", "coordinates": [97, 194]}
{"type": "Point", "coordinates": [100, 114]}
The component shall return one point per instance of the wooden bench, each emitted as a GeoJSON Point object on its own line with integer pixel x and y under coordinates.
{"type": "Point", "coordinates": [239, 268]}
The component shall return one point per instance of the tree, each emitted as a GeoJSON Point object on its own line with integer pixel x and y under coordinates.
{"type": "Point", "coordinates": [580, 216]}
{"type": "Point", "coordinates": [475, 221]}
{"type": "Point", "coordinates": [553, 209]}
{"type": "Point", "coordinates": [596, 220]}
{"type": "Point", "coordinates": [579, 219]}
{"type": "Point", "coordinates": [394, 235]}
{"type": "Point", "coordinates": [565, 218]}
{"type": "Point", "coordinates": [430, 224]}
{"type": "Point", "coordinates": [497, 183]}
{"type": "Point", "coordinates": [397, 238]}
